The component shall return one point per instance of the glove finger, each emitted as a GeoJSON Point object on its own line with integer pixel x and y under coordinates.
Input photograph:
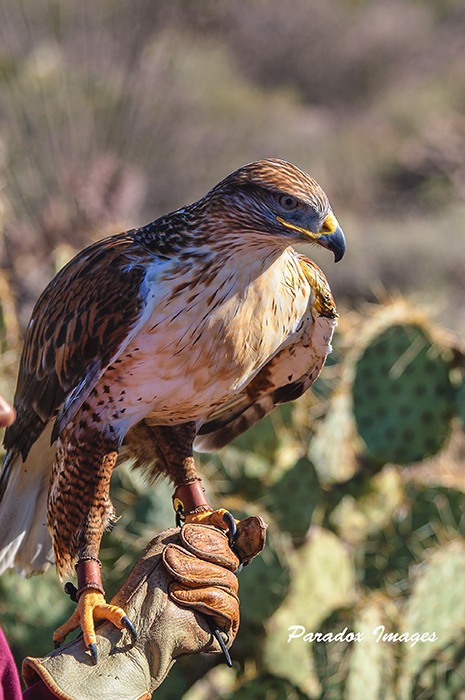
{"type": "Point", "coordinates": [221, 604]}
{"type": "Point", "coordinates": [250, 537]}
{"type": "Point", "coordinates": [209, 543]}
{"type": "Point", "coordinates": [192, 571]}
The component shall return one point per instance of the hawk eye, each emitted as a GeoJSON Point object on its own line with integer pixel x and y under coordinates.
{"type": "Point", "coordinates": [287, 202]}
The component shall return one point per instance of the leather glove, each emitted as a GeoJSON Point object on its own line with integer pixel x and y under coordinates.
{"type": "Point", "coordinates": [183, 580]}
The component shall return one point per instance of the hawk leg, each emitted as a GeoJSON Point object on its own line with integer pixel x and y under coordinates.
{"type": "Point", "coordinates": [77, 526]}
{"type": "Point", "coordinates": [176, 445]}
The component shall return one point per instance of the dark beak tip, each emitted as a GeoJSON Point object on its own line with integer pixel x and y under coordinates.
{"type": "Point", "coordinates": [336, 242]}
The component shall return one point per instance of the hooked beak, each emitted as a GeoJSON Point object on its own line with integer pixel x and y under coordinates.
{"type": "Point", "coordinates": [335, 242]}
{"type": "Point", "coordinates": [331, 235]}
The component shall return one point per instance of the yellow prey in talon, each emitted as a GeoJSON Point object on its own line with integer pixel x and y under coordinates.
{"type": "Point", "coordinates": [173, 337]}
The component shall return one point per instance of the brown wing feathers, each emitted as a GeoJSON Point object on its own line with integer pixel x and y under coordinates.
{"type": "Point", "coordinates": [78, 325]}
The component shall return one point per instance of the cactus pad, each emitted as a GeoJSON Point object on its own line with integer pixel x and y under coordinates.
{"type": "Point", "coordinates": [264, 585]}
{"type": "Point", "coordinates": [436, 607]}
{"type": "Point", "coordinates": [461, 403]}
{"type": "Point", "coordinates": [403, 396]}
{"type": "Point", "coordinates": [268, 686]}
{"type": "Point", "coordinates": [294, 497]}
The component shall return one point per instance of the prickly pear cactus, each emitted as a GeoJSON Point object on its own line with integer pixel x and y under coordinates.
{"type": "Point", "coordinates": [461, 403]}
{"type": "Point", "coordinates": [294, 497]}
{"type": "Point", "coordinates": [264, 585]}
{"type": "Point", "coordinates": [268, 686]}
{"type": "Point", "coordinates": [403, 397]}
{"type": "Point", "coordinates": [435, 611]}
{"type": "Point", "coordinates": [352, 665]}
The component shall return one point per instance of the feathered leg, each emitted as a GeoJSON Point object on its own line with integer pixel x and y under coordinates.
{"type": "Point", "coordinates": [176, 444]}
{"type": "Point", "coordinates": [83, 467]}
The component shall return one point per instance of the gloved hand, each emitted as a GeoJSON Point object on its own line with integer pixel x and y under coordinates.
{"type": "Point", "coordinates": [183, 580]}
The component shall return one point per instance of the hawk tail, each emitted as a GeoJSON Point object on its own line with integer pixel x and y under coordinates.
{"type": "Point", "coordinates": [25, 543]}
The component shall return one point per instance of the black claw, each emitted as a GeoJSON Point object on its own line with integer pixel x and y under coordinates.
{"type": "Point", "coordinates": [232, 529]}
{"type": "Point", "coordinates": [130, 628]}
{"type": "Point", "coordinates": [71, 590]}
{"type": "Point", "coordinates": [56, 644]}
{"type": "Point", "coordinates": [217, 634]}
{"type": "Point", "coordinates": [179, 516]}
{"type": "Point", "coordinates": [93, 653]}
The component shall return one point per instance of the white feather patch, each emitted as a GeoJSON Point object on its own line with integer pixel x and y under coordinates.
{"type": "Point", "coordinates": [25, 543]}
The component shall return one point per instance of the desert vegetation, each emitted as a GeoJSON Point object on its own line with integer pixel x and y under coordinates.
{"type": "Point", "coordinates": [113, 113]}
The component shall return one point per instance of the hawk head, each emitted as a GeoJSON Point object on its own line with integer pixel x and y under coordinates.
{"type": "Point", "coordinates": [273, 199]}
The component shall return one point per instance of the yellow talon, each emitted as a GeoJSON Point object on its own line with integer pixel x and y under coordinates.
{"type": "Point", "coordinates": [90, 608]}
{"type": "Point", "coordinates": [209, 517]}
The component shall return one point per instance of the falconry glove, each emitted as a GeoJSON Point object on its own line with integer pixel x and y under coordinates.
{"type": "Point", "coordinates": [181, 596]}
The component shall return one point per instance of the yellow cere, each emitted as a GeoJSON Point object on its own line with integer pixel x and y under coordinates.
{"type": "Point", "coordinates": [330, 224]}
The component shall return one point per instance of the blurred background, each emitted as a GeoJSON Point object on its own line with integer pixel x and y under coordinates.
{"type": "Point", "coordinates": [113, 112]}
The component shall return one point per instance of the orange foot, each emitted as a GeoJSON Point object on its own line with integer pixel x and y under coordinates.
{"type": "Point", "coordinates": [189, 499]}
{"type": "Point", "coordinates": [90, 608]}
{"type": "Point", "coordinates": [221, 518]}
